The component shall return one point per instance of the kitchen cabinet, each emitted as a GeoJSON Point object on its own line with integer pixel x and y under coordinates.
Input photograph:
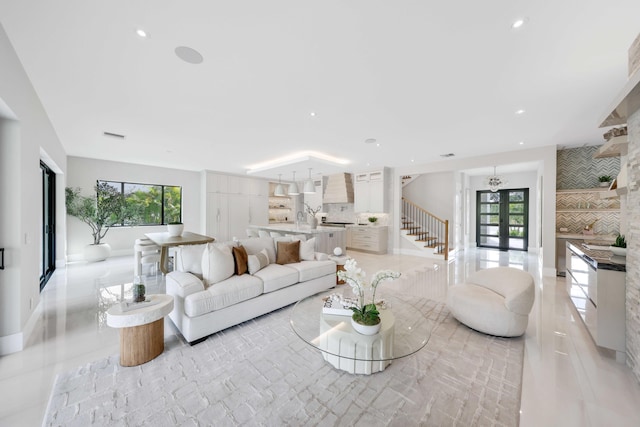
{"type": "Point", "coordinates": [596, 287]}
{"type": "Point", "coordinates": [371, 239]}
{"type": "Point", "coordinates": [370, 192]}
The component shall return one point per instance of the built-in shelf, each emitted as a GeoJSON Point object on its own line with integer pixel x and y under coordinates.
{"type": "Point", "coordinates": [582, 190]}
{"type": "Point", "coordinates": [587, 210]}
{"type": "Point", "coordinates": [615, 147]}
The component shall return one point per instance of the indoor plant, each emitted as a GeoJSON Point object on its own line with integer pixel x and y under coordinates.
{"type": "Point", "coordinates": [313, 221]}
{"type": "Point", "coordinates": [619, 247]}
{"type": "Point", "coordinates": [604, 180]}
{"type": "Point", "coordinates": [373, 220]}
{"type": "Point", "coordinates": [366, 317]}
{"type": "Point", "coordinates": [99, 212]}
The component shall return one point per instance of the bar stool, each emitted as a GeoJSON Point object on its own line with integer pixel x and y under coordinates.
{"type": "Point", "coordinates": [145, 252]}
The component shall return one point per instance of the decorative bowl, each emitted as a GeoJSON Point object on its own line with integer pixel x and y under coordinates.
{"type": "Point", "coordinates": [618, 251]}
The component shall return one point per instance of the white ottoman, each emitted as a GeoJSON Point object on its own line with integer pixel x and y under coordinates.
{"type": "Point", "coordinates": [496, 301]}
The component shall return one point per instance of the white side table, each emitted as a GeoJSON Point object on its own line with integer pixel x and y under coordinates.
{"type": "Point", "coordinates": [141, 329]}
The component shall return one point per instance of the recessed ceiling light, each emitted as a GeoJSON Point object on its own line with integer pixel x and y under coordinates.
{"type": "Point", "coordinates": [518, 23]}
{"type": "Point", "coordinates": [312, 114]}
{"type": "Point", "coordinates": [521, 142]}
{"type": "Point", "coordinates": [412, 160]}
{"type": "Point", "coordinates": [189, 55]}
{"type": "Point", "coordinates": [142, 33]}
{"type": "Point", "coordinates": [519, 112]}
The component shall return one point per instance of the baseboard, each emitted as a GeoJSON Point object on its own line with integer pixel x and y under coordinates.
{"type": "Point", "coordinates": [117, 252]}
{"type": "Point", "coordinates": [11, 344]}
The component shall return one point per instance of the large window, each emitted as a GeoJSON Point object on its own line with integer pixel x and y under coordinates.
{"type": "Point", "coordinates": [152, 204]}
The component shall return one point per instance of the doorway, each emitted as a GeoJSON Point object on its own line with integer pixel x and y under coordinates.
{"type": "Point", "coordinates": [502, 219]}
{"type": "Point", "coordinates": [47, 221]}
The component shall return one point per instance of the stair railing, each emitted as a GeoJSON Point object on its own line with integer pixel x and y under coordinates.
{"type": "Point", "coordinates": [425, 221]}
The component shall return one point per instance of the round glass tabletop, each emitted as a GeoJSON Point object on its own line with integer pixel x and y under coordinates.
{"type": "Point", "coordinates": [404, 330]}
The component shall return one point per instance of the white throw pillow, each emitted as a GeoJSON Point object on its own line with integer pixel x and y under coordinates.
{"type": "Point", "coordinates": [258, 261]}
{"type": "Point", "coordinates": [308, 249]}
{"type": "Point", "coordinates": [189, 259]}
{"type": "Point", "coordinates": [217, 264]}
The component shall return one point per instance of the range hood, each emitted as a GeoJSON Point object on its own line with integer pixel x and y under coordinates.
{"type": "Point", "coordinates": [339, 189]}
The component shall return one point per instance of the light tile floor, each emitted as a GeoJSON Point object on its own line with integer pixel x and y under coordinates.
{"type": "Point", "coordinates": [567, 381]}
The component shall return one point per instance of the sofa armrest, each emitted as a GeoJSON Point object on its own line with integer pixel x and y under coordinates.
{"type": "Point", "coordinates": [181, 284]}
{"type": "Point", "coordinates": [321, 256]}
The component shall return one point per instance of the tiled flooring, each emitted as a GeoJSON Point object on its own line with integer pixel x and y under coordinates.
{"type": "Point", "coordinates": [567, 381]}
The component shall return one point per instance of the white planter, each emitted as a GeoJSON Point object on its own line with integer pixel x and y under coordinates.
{"type": "Point", "coordinates": [618, 251]}
{"type": "Point", "coordinates": [365, 329]}
{"type": "Point", "coordinates": [313, 222]}
{"type": "Point", "coordinates": [175, 230]}
{"type": "Point", "coordinates": [94, 253]}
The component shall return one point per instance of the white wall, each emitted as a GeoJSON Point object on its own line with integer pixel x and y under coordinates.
{"type": "Point", "coordinates": [25, 134]}
{"type": "Point", "coordinates": [84, 173]}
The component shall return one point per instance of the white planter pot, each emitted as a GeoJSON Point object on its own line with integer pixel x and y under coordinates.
{"type": "Point", "coordinates": [313, 222]}
{"type": "Point", "coordinates": [175, 230]}
{"type": "Point", "coordinates": [94, 253]}
{"type": "Point", "coordinates": [366, 329]}
{"type": "Point", "coordinates": [618, 251]}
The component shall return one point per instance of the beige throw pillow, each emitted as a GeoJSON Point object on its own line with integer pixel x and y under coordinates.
{"type": "Point", "coordinates": [258, 261]}
{"type": "Point", "coordinates": [217, 264]}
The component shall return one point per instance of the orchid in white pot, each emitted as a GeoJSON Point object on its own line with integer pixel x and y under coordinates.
{"type": "Point", "coordinates": [363, 313]}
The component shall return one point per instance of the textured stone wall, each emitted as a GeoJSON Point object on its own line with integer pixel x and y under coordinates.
{"type": "Point", "coordinates": [633, 242]}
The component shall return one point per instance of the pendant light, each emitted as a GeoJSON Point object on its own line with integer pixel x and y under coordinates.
{"type": "Point", "coordinates": [495, 182]}
{"type": "Point", "coordinates": [279, 191]}
{"type": "Point", "coordinates": [309, 186]}
{"type": "Point", "coordinates": [293, 187]}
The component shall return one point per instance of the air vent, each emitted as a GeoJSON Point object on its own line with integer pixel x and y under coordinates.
{"type": "Point", "coordinates": [113, 135]}
{"type": "Point", "coordinates": [447, 155]}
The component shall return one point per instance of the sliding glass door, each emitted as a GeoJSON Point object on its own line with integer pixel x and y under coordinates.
{"type": "Point", "coordinates": [502, 219]}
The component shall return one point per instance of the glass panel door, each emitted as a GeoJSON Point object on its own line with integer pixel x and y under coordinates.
{"type": "Point", "coordinates": [47, 230]}
{"type": "Point", "coordinates": [502, 219]}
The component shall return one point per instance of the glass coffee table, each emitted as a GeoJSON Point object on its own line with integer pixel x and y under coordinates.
{"type": "Point", "coordinates": [404, 331]}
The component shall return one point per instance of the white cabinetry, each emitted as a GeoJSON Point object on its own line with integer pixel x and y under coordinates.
{"type": "Point", "coordinates": [368, 239]}
{"type": "Point", "coordinates": [233, 203]}
{"type": "Point", "coordinates": [370, 192]}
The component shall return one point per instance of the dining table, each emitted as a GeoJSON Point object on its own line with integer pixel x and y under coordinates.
{"type": "Point", "coordinates": [165, 241]}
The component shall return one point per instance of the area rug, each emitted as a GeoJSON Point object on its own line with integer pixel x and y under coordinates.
{"type": "Point", "coordinates": [260, 373]}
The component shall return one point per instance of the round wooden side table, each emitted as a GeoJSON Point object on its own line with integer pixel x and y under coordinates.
{"type": "Point", "coordinates": [339, 260]}
{"type": "Point", "coordinates": [141, 328]}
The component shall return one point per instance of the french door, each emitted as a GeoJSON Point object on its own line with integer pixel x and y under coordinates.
{"type": "Point", "coordinates": [502, 219]}
{"type": "Point", "coordinates": [47, 230]}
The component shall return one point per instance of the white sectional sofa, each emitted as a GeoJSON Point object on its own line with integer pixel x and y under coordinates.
{"type": "Point", "coordinates": [209, 296]}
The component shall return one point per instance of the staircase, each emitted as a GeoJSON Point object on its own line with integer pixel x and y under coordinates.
{"type": "Point", "coordinates": [426, 231]}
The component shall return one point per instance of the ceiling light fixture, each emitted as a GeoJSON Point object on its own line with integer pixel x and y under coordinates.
{"type": "Point", "coordinates": [142, 33]}
{"type": "Point", "coordinates": [518, 23]}
{"type": "Point", "coordinates": [309, 186]}
{"type": "Point", "coordinates": [521, 143]}
{"type": "Point", "coordinates": [293, 187]}
{"type": "Point", "coordinates": [495, 182]}
{"type": "Point", "coordinates": [520, 112]}
{"type": "Point", "coordinates": [279, 190]}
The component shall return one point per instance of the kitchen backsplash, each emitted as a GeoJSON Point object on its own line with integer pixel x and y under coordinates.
{"type": "Point", "coordinates": [344, 212]}
{"type": "Point", "coordinates": [576, 168]}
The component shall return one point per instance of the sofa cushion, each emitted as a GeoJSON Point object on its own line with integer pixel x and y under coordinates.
{"type": "Point", "coordinates": [189, 259]}
{"type": "Point", "coordinates": [217, 264]}
{"type": "Point", "coordinates": [258, 261]}
{"type": "Point", "coordinates": [288, 252]}
{"type": "Point", "coordinates": [254, 245]}
{"type": "Point", "coordinates": [308, 270]}
{"type": "Point", "coordinates": [228, 292]}
{"type": "Point", "coordinates": [275, 276]}
{"type": "Point", "coordinates": [239, 260]}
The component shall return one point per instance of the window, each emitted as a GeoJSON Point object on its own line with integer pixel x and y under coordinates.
{"type": "Point", "coordinates": [151, 204]}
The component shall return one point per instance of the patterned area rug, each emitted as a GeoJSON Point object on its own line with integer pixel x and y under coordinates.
{"type": "Point", "coordinates": [260, 373]}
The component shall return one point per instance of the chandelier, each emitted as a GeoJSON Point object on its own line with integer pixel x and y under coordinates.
{"type": "Point", "coordinates": [495, 182]}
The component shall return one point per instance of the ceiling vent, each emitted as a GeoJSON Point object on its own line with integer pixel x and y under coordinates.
{"type": "Point", "coordinates": [339, 189]}
{"type": "Point", "coordinates": [113, 135]}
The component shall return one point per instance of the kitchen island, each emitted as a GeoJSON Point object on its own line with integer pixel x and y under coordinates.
{"type": "Point", "coordinates": [327, 238]}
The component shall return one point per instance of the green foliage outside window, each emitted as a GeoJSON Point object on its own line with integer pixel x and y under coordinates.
{"type": "Point", "coordinates": [153, 204]}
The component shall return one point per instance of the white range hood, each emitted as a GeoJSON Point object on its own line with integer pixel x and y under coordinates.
{"type": "Point", "coordinates": [339, 189]}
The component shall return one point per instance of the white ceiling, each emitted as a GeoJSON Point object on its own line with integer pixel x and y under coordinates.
{"type": "Point", "coordinates": [422, 78]}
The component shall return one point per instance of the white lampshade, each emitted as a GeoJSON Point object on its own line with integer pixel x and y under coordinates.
{"type": "Point", "coordinates": [293, 187]}
{"type": "Point", "coordinates": [279, 190]}
{"type": "Point", "coordinates": [309, 186]}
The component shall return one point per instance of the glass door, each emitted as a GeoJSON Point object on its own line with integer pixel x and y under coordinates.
{"type": "Point", "coordinates": [502, 219]}
{"type": "Point", "coordinates": [47, 221]}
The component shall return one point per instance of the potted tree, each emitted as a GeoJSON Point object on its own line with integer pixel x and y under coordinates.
{"type": "Point", "coordinates": [99, 212]}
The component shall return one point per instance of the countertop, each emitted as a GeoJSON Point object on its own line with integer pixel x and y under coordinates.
{"type": "Point", "coordinates": [301, 229]}
{"type": "Point", "coordinates": [598, 258]}
{"type": "Point", "coordinates": [608, 238]}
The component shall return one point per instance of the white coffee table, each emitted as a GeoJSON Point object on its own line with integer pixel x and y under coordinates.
{"type": "Point", "coordinates": [141, 328]}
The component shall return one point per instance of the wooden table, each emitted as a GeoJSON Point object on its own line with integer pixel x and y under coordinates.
{"type": "Point", "coordinates": [165, 242]}
{"type": "Point", "coordinates": [141, 328]}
